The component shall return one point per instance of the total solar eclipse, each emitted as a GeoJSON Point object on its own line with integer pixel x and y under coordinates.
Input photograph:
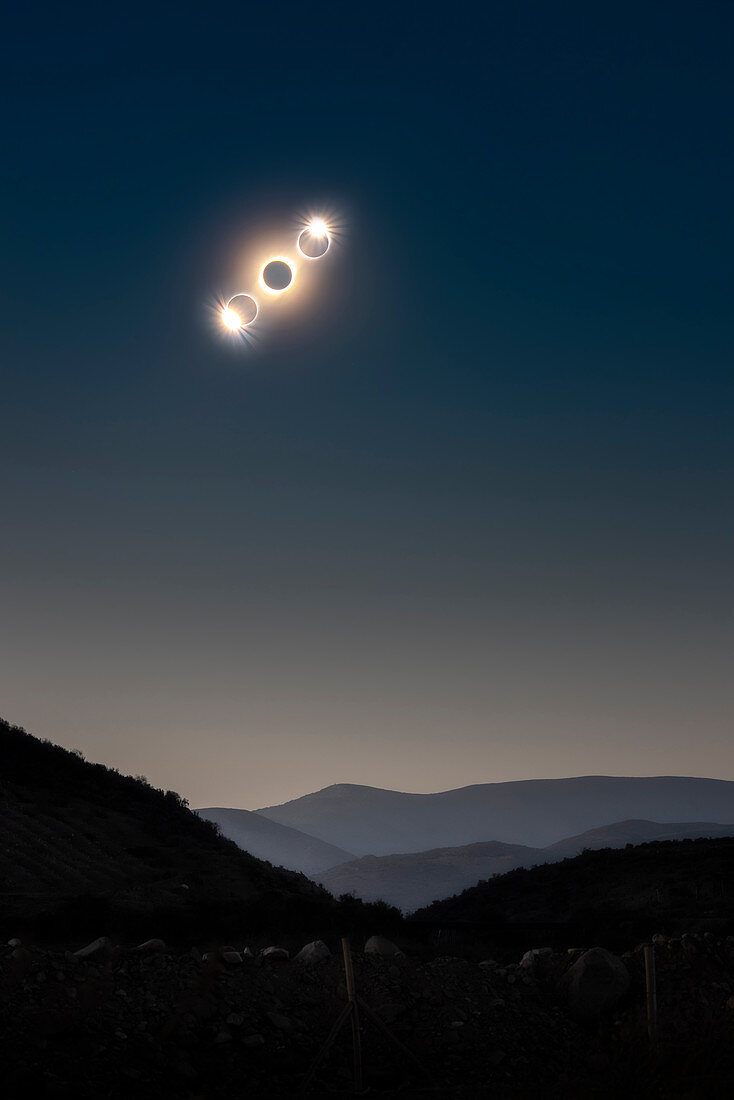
{"type": "Point", "coordinates": [277, 276]}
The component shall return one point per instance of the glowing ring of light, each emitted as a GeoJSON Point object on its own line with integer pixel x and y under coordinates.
{"type": "Point", "coordinates": [311, 233]}
{"type": "Point", "coordinates": [242, 324]}
{"type": "Point", "coordinates": [277, 260]}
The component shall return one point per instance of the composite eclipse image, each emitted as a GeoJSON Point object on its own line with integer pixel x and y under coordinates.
{"type": "Point", "coordinates": [277, 274]}
{"type": "Point", "coordinates": [366, 619]}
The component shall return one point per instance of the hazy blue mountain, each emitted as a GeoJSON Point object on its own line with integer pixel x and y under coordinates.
{"type": "Point", "coordinates": [536, 812]}
{"type": "Point", "coordinates": [621, 833]}
{"type": "Point", "coordinates": [411, 880]}
{"type": "Point", "coordinates": [279, 844]}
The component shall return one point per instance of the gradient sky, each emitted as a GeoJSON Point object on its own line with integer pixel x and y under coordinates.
{"type": "Point", "coordinates": [467, 516]}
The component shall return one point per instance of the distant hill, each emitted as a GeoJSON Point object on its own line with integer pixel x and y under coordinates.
{"type": "Point", "coordinates": [536, 812]}
{"type": "Point", "coordinates": [415, 879]}
{"type": "Point", "coordinates": [608, 896]}
{"type": "Point", "coordinates": [279, 844]}
{"type": "Point", "coordinates": [87, 851]}
{"type": "Point", "coordinates": [621, 833]}
{"type": "Point", "coordinates": [418, 878]}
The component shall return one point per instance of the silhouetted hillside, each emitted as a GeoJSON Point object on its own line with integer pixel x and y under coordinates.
{"type": "Point", "coordinates": [537, 812]}
{"type": "Point", "coordinates": [85, 850]}
{"type": "Point", "coordinates": [278, 844]}
{"type": "Point", "coordinates": [610, 896]}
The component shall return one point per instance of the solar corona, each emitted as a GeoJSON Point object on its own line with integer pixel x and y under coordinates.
{"type": "Point", "coordinates": [278, 274]}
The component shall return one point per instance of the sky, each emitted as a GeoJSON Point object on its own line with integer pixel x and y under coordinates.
{"type": "Point", "coordinates": [463, 511]}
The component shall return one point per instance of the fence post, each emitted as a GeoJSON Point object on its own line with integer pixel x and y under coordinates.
{"type": "Point", "coordinates": [354, 1017]}
{"type": "Point", "coordinates": [652, 994]}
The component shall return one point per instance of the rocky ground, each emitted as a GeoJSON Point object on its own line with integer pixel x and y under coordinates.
{"type": "Point", "coordinates": [119, 1022]}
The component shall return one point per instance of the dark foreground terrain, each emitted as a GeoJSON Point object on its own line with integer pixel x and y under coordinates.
{"type": "Point", "coordinates": [162, 1024]}
{"type": "Point", "coordinates": [86, 852]}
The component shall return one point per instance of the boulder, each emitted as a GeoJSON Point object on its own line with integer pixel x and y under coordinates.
{"type": "Point", "coordinates": [536, 954]}
{"type": "Point", "coordinates": [96, 947]}
{"type": "Point", "coordinates": [313, 953]}
{"type": "Point", "coordinates": [275, 954]}
{"type": "Point", "coordinates": [224, 954]}
{"type": "Point", "coordinates": [231, 958]}
{"type": "Point", "coordinates": [282, 1023]}
{"type": "Point", "coordinates": [595, 982]}
{"type": "Point", "coordinates": [150, 947]}
{"type": "Point", "coordinates": [386, 949]}
{"type": "Point", "coordinates": [253, 1040]}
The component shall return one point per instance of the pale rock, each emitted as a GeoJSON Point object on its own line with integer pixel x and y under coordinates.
{"type": "Point", "coordinates": [232, 958]}
{"type": "Point", "coordinates": [595, 982]}
{"type": "Point", "coordinates": [531, 958]}
{"type": "Point", "coordinates": [386, 949]}
{"type": "Point", "coordinates": [96, 947]}
{"type": "Point", "coordinates": [253, 1041]}
{"type": "Point", "coordinates": [313, 953]}
{"type": "Point", "coordinates": [150, 947]}
{"type": "Point", "coordinates": [282, 1023]}
{"type": "Point", "coordinates": [274, 954]}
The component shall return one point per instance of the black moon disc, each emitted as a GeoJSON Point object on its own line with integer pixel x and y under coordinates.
{"type": "Point", "coordinates": [313, 245]}
{"type": "Point", "coordinates": [277, 275]}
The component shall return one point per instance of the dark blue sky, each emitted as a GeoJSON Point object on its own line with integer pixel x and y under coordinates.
{"type": "Point", "coordinates": [469, 516]}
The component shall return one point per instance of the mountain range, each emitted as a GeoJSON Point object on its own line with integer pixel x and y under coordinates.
{"type": "Point", "coordinates": [536, 812]}
{"type": "Point", "coordinates": [415, 879]}
{"type": "Point", "coordinates": [410, 849]}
